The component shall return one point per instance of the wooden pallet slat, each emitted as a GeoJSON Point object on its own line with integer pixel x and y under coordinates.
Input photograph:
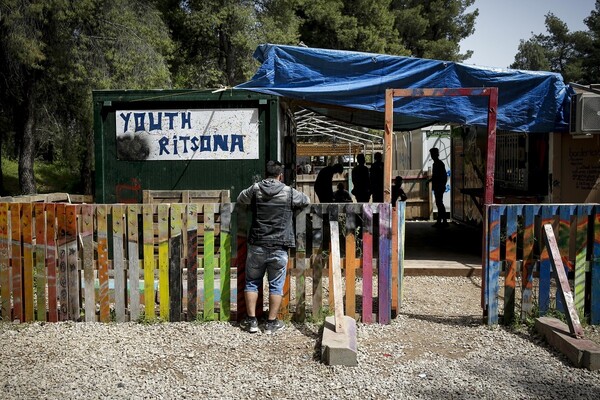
{"type": "Point", "coordinates": [51, 257]}
{"type": "Point", "coordinates": [134, 261]}
{"type": "Point", "coordinates": [120, 284]}
{"type": "Point", "coordinates": [225, 263]}
{"type": "Point", "coordinates": [528, 261]}
{"type": "Point", "coordinates": [5, 292]}
{"type": "Point", "coordinates": [510, 276]}
{"type": "Point", "coordinates": [595, 270]}
{"type": "Point", "coordinates": [27, 221]}
{"type": "Point", "coordinates": [72, 259]}
{"type": "Point", "coordinates": [548, 217]}
{"type": "Point", "coordinates": [385, 264]}
{"type": "Point", "coordinates": [192, 261]}
{"type": "Point", "coordinates": [300, 265]}
{"type": "Point", "coordinates": [62, 274]}
{"type": "Point", "coordinates": [242, 213]}
{"type": "Point", "coordinates": [149, 264]}
{"type": "Point", "coordinates": [103, 293]}
{"type": "Point", "coordinates": [394, 255]}
{"type": "Point", "coordinates": [350, 259]}
{"type": "Point", "coordinates": [581, 245]}
{"type": "Point", "coordinates": [175, 269]}
{"type": "Point", "coordinates": [39, 272]}
{"type": "Point", "coordinates": [493, 267]}
{"type": "Point", "coordinates": [367, 264]}
{"type": "Point", "coordinates": [317, 259]}
{"type": "Point", "coordinates": [87, 239]}
{"type": "Point", "coordinates": [565, 228]}
{"type": "Point", "coordinates": [163, 260]}
{"type": "Point", "coordinates": [401, 240]}
{"type": "Point", "coordinates": [209, 263]}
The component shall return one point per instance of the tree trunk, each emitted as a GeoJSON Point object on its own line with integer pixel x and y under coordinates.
{"type": "Point", "coordinates": [26, 126]}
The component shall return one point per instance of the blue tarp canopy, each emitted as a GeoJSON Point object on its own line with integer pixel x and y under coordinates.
{"type": "Point", "coordinates": [350, 86]}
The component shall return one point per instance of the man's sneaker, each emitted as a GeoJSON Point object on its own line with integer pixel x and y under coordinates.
{"type": "Point", "coordinates": [249, 325]}
{"type": "Point", "coordinates": [272, 327]}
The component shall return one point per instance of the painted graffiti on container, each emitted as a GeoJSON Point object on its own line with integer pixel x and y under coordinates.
{"type": "Point", "coordinates": [129, 193]}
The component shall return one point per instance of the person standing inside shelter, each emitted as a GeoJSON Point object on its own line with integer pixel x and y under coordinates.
{"type": "Point", "coordinates": [397, 191]}
{"type": "Point", "coordinates": [360, 180]}
{"type": "Point", "coordinates": [271, 235]}
{"type": "Point", "coordinates": [438, 180]}
{"type": "Point", "coordinates": [341, 195]}
{"type": "Point", "coordinates": [324, 182]}
{"type": "Point", "coordinates": [307, 168]}
{"type": "Point", "coordinates": [376, 176]}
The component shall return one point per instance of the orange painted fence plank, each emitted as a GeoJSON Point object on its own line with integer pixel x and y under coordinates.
{"type": "Point", "coordinates": [5, 306]}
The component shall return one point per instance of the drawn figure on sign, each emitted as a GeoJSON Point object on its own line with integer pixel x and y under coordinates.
{"type": "Point", "coordinates": [324, 182]}
{"type": "Point", "coordinates": [271, 234]}
{"type": "Point", "coordinates": [397, 191]}
{"type": "Point", "coordinates": [341, 195]}
{"type": "Point", "coordinates": [361, 181]}
{"type": "Point", "coordinates": [438, 180]}
{"type": "Point", "coordinates": [376, 176]}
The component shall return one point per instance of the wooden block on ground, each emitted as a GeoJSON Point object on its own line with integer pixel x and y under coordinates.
{"type": "Point", "coordinates": [583, 353]}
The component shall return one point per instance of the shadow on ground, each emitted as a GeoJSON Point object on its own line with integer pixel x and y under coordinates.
{"type": "Point", "coordinates": [456, 242]}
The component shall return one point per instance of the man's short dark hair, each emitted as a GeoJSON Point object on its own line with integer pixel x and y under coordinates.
{"type": "Point", "coordinates": [338, 168]}
{"type": "Point", "coordinates": [274, 169]}
{"type": "Point", "coordinates": [378, 156]}
{"type": "Point", "coordinates": [360, 158]}
{"type": "Point", "coordinates": [434, 150]}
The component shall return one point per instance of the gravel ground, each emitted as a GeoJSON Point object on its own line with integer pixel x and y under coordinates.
{"type": "Point", "coordinates": [436, 348]}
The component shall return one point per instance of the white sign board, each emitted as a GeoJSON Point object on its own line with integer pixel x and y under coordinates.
{"type": "Point", "coordinates": [207, 134]}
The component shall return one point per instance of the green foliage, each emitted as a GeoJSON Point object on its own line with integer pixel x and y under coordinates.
{"type": "Point", "coordinates": [434, 29]}
{"type": "Point", "coordinates": [53, 53]}
{"type": "Point", "coordinates": [320, 316]}
{"type": "Point", "coordinates": [57, 177]}
{"type": "Point", "coordinates": [569, 53]}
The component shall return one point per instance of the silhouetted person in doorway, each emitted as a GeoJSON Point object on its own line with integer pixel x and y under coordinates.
{"type": "Point", "coordinates": [397, 191]}
{"type": "Point", "coordinates": [341, 195]}
{"type": "Point", "coordinates": [360, 181]}
{"type": "Point", "coordinates": [376, 176]}
{"type": "Point", "coordinates": [438, 180]}
{"type": "Point", "coordinates": [324, 182]}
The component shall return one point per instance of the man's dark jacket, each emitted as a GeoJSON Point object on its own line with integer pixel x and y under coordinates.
{"type": "Point", "coordinates": [272, 204]}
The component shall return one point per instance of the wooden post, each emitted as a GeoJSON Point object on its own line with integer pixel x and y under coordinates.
{"type": "Point", "coordinates": [337, 276]}
{"type": "Point", "coordinates": [387, 146]}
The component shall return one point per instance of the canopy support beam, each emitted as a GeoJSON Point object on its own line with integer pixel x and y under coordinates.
{"type": "Point", "coordinates": [490, 92]}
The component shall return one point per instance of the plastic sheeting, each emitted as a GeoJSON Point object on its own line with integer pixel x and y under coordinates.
{"type": "Point", "coordinates": [350, 86]}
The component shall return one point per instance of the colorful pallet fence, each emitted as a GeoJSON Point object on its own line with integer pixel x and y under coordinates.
{"type": "Point", "coordinates": [184, 261]}
{"type": "Point", "coordinates": [515, 246]}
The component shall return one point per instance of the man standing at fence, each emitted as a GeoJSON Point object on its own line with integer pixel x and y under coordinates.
{"type": "Point", "coordinates": [438, 180]}
{"type": "Point", "coordinates": [271, 235]}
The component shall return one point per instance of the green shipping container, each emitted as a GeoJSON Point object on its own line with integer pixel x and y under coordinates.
{"type": "Point", "coordinates": [180, 140]}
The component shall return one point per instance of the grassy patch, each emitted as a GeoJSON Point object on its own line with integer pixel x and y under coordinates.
{"type": "Point", "coordinates": [49, 178]}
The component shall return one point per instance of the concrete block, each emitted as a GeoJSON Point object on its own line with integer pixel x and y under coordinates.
{"type": "Point", "coordinates": [583, 353]}
{"type": "Point", "coordinates": [339, 348]}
